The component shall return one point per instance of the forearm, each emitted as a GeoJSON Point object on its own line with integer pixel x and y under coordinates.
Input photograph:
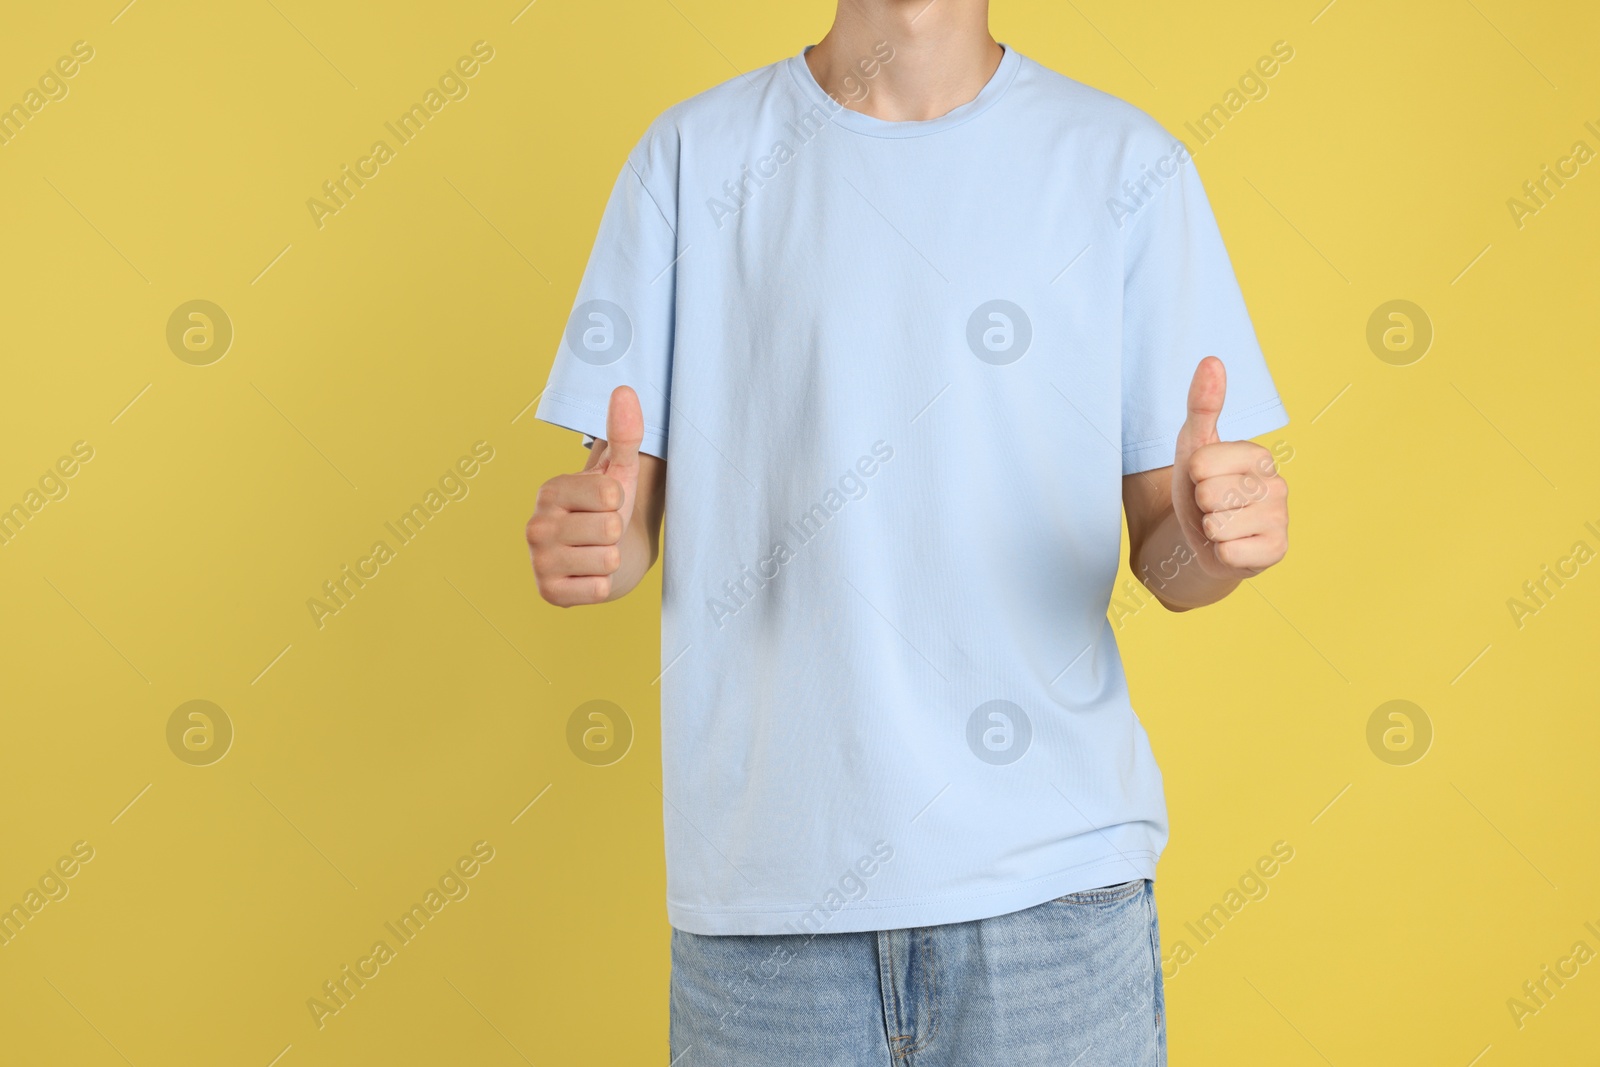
{"type": "Point", "coordinates": [1170, 569]}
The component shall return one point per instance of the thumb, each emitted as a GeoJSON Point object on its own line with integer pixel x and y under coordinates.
{"type": "Point", "coordinates": [624, 433]}
{"type": "Point", "coordinates": [624, 428]}
{"type": "Point", "coordinates": [1206, 393]}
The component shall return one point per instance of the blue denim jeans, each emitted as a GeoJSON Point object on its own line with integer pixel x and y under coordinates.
{"type": "Point", "coordinates": [1075, 982]}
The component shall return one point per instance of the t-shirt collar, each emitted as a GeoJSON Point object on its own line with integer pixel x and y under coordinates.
{"type": "Point", "coordinates": [990, 94]}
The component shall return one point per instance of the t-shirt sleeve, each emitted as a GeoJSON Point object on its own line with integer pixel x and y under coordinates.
{"type": "Point", "coordinates": [1181, 303]}
{"type": "Point", "coordinates": [621, 326]}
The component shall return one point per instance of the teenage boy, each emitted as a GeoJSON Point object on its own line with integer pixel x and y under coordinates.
{"type": "Point", "coordinates": [915, 321]}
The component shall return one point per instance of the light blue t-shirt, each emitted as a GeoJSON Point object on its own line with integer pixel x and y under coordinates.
{"type": "Point", "coordinates": [898, 371]}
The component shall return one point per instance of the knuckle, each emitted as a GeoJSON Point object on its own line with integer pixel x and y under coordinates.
{"type": "Point", "coordinates": [543, 568]}
{"type": "Point", "coordinates": [548, 496]}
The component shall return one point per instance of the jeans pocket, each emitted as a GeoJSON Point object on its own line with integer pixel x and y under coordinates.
{"type": "Point", "coordinates": [1106, 894]}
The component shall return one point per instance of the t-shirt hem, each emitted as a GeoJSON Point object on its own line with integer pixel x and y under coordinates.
{"type": "Point", "coordinates": [870, 915]}
{"type": "Point", "coordinates": [575, 413]}
{"type": "Point", "coordinates": [1254, 421]}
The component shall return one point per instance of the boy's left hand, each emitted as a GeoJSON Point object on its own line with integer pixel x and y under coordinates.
{"type": "Point", "coordinates": [1231, 504]}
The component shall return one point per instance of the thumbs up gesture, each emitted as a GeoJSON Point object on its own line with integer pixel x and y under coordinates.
{"type": "Point", "coordinates": [576, 535]}
{"type": "Point", "coordinates": [1230, 502]}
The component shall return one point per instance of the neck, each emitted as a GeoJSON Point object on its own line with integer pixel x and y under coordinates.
{"type": "Point", "coordinates": [939, 55]}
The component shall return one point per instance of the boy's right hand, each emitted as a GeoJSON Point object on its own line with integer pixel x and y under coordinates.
{"type": "Point", "coordinates": [576, 535]}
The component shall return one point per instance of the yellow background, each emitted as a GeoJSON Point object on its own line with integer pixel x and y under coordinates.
{"type": "Point", "coordinates": [371, 353]}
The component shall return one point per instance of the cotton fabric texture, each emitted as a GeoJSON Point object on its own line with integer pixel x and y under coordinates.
{"type": "Point", "coordinates": [898, 371]}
